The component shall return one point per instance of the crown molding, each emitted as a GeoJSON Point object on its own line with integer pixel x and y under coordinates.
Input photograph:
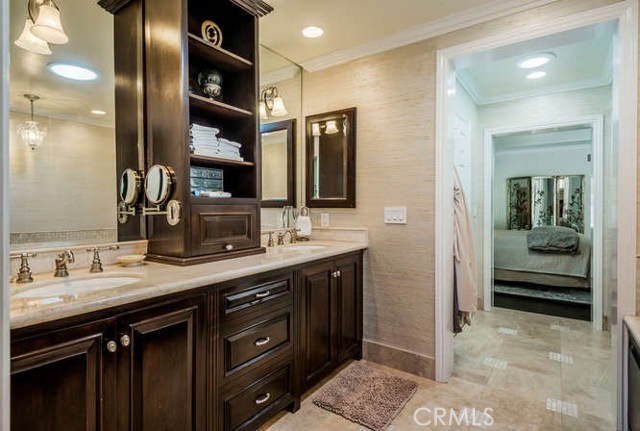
{"type": "Point", "coordinates": [477, 15]}
{"type": "Point", "coordinates": [283, 74]}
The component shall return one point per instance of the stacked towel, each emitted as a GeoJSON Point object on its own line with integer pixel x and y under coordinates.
{"type": "Point", "coordinates": [205, 142]}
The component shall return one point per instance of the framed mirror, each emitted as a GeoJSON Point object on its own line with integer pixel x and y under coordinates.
{"type": "Point", "coordinates": [278, 142]}
{"type": "Point", "coordinates": [331, 159]}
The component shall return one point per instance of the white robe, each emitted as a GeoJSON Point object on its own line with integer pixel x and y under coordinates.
{"type": "Point", "coordinates": [464, 257]}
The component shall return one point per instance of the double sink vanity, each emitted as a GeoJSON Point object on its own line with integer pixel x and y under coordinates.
{"type": "Point", "coordinates": [217, 346]}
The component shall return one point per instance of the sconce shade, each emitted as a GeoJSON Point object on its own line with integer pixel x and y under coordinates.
{"type": "Point", "coordinates": [263, 111]}
{"type": "Point", "coordinates": [332, 128]}
{"type": "Point", "coordinates": [28, 41]}
{"type": "Point", "coordinates": [278, 107]}
{"type": "Point", "coordinates": [315, 129]}
{"type": "Point", "coordinates": [48, 26]}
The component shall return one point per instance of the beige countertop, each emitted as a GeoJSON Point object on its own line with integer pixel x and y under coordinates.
{"type": "Point", "coordinates": [156, 280]}
{"type": "Point", "coordinates": [633, 323]}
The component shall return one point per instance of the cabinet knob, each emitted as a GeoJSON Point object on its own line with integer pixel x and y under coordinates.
{"type": "Point", "coordinates": [228, 247]}
{"type": "Point", "coordinates": [261, 399]}
{"type": "Point", "coordinates": [125, 340]}
{"type": "Point", "coordinates": [334, 274]}
{"type": "Point", "coordinates": [262, 341]}
{"type": "Point", "coordinates": [112, 347]}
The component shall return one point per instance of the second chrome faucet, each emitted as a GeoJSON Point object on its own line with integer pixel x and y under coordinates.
{"type": "Point", "coordinates": [63, 258]}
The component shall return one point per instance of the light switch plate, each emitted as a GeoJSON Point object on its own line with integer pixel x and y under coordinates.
{"type": "Point", "coordinates": [395, 215]}
{"type": "Point", "coordinates": [324, 219]}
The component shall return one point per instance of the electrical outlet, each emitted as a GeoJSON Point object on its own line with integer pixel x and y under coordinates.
{"type": "Point", "coordinates": [324, 219]}
{"type": "Point", "coordinates": [395, 215]}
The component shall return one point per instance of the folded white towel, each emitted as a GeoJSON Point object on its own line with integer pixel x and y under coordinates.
{"type": "Point", "coordinates": [303, 223]}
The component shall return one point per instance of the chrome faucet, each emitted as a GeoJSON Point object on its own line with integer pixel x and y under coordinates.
{"type": "Point", "coordinates": [24, 273]}
{"type": "Point", "coordinates": [293, 235]}
{"type": "Point", "coordinates": [63, 258]}
{"type": "Point", "coordinates": [96, 264]}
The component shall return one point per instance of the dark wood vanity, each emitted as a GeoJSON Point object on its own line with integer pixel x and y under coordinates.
{"type": "Point", "coordinates": [222, 357]}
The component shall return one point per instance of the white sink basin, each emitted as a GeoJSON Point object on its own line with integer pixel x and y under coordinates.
{"type": "Point", "coordinates": [78, 286]}
{"type": "Point", "coordinates": [302, 247]}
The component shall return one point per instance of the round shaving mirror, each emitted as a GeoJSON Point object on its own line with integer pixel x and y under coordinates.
{"type": "Point", "coordinates": [130, 183]}
{"type": "Point", "coordinates": [158, 184]}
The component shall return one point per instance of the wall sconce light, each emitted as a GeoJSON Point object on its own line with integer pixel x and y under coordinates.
{"type": "Point", "coordinates": [271, 103]}
{"type": "Point", "coordinates": [31, 134]}
{"type": "Point", "coordinates": [43, 26]}
{"type": "Point", "coordinates": [332, 127]}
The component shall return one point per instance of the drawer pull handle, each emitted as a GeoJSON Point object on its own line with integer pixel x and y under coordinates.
{"type": "Point", "coordinates": [263, 294]}
{"type": "Point", "coordinates": [228, 247]}
{"type": "Point", "coordinates": [262, 341]}
{"type": "Point", "coordinates": [261, 399]}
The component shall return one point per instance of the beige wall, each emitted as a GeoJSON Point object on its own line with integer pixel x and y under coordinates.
{"type": "Point", "coordinates": [395, 96]}
{"type": "Point", "coordinates": [68, 184]}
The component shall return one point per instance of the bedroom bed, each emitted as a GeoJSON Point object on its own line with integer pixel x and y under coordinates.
{"type": "Point", "coordinates": [514, 262]}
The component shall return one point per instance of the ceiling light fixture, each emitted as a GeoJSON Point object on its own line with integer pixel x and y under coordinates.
{"type": "Point", "coordinates": [312, 32]}
{"type": "Point", "coordinates": [31, 134]}
{"type": "Point", "coordinates": [98, 112]}
{"type": "Point", "coordinates": [537, 75]}
{"type": "Point", "coordinates": [271, 103]}
{"type": "Point", "coordinates": [536, 60]}
{"type": "Point", "coordinates": [30, 42]}
{"type": "Point", "coordinates": [47, 25]}
{"type": "Point", "coordinates": [70, 71]}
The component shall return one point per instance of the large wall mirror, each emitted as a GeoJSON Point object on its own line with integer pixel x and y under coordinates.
{"type": "Point", "coordinates": [331, 159]}
{"type": "Point", "coordinates": [64, 191]}
{"type": "Point", "coordinates": [547, 201]}
{"type": "Point", "coordinates": [278, 163]}
{"type": "Point", "coordinates": [281, 129]}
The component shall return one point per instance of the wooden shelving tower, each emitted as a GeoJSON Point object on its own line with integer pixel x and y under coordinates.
{"type": "Point", "coordinates": [212, 228]}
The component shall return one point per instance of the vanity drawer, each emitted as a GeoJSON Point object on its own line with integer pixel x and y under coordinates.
{"type": "Point", "coordinates": [257, 398]}
{"type": "Point", "coordinates": [257, 295]}
{"type": "Point", "coordinates": [224, 229]}
{"type": "Point", "coordinates": [257, 341]}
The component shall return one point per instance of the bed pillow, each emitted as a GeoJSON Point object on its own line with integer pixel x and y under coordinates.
{"type": "Point", "coordinates": [553, 239]}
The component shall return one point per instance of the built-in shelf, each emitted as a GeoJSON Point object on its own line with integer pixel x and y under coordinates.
{"type": "Point", "coordinates": [199, 160]}
{"type": "Point", "coordinates": [215, 107]}
{"type": "Point", "coordinates": [216, 55]}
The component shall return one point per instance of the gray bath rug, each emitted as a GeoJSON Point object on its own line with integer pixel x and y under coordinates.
{"type": "Point", "coordinates": [366, 395]}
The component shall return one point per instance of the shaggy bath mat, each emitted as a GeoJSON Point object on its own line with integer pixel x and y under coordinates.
{"type": "Point", "coordinates": [366, 395]}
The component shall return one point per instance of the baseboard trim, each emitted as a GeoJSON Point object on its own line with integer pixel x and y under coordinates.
{"type": "Point", "coordinates": [401, 359]}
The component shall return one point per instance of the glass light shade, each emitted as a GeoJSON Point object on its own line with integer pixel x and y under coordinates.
{"type": "Point", "coordinates": [315, 129]}
{"type": "Point", "coordinates": [332, 128]}
{"type": "Point", "coordinates": [263, 111]}
{"type": "Point", "coordinates": [30, 42]}
{"type": "Point", "coordinates": [278, 107]}
{"type": "Point", "coordinates": [48, 26]}
{"type": "Point", "coordinates": [31, 134]}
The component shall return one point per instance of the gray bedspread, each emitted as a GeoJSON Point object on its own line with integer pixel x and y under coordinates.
{"type": "Point", "coordinates": [511, 253]}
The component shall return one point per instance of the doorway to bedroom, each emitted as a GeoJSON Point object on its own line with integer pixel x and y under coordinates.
{"type": "Point", "coordinates": [536, 154]}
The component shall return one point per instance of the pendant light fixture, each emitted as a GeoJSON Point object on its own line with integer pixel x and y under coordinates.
{"type": "Point", "coordinates": [30, 42]}
{"type": "Point", "coordinates": [30, 132]}
{"type": "Point", "coordinates": [46, 21]}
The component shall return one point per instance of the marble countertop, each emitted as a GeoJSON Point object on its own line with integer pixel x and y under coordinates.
{"type": "Point", "coordinates": [633, 323]}
{"type": "Point", "coordinates": [156, 280]}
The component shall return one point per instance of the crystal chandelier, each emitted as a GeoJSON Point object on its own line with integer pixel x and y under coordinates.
{"type": "Point", "coordinates": [31, 134]}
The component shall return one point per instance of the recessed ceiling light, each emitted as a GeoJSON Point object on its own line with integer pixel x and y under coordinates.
{"type": "Point", "coordinates": [536, 60]}
{"type": "Point", "coordinates": [312, 32]}
{"type": "Point", "coordinates": [70, 71]}
{"type": "Point", "coordinates": [98, 112]}
{"type": "Point", "coordinates": [537, 75]}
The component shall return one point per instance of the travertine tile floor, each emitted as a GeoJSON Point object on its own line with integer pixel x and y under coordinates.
{"type": "Point", "coordinates": [521, 365]}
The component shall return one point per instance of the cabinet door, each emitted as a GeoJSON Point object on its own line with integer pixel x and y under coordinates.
{"type": "Point", "coordinates": [161, 368]}
{"type": "Point", "coordinates": [318, 289]}
{"type": "Point", "coordinates": [349, 295]}
{"type": "Point", "coordinates": [59, 380]}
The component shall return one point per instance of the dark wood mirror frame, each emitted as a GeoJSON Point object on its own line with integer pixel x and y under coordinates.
{"type": "Point", "coordinates": [290, 127]}
{"type": "Point", "coordinates": [349, 201]}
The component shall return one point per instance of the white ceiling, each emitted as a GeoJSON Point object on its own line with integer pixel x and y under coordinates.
{"type": "Point", "coordinates": [353, 27]}
{"type": "Point", "coordinates": [583, 60]}
{"type": "Point", "coordinates": [90, 31]}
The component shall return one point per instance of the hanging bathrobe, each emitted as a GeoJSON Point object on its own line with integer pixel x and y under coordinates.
{"type": "Point", "coordinates": [465, 283]}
